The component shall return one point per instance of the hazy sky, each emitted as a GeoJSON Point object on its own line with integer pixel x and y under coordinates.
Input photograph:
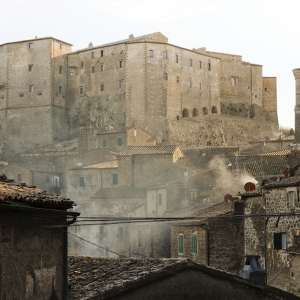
{"type": "Point", "coordinates": [264, 32]}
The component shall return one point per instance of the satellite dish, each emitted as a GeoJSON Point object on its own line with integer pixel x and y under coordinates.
{"type": "Point", "coordinates": [289, 172]}
{"type": "Point", "coordinates": [249, 186]}
{"type": "Point", "coordinates": [228, 198]}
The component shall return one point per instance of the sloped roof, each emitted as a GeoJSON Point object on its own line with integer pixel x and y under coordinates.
{"type": "Point", "coordinates": [144, 150]}
{"type": "Point", "coordinates": [13, 193]}
{"type": "Point", "coordinates": [292, 181]}
{"type": "Point", "coordinates": [120, 192]}
{"type": "Point", "coordinates": [278, 152]}
{"type": "Point", "coordinates": [255, 165]}
{"type": "Point", "coordinates": [113, 164]}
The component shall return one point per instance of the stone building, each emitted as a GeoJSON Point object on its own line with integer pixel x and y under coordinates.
{"type": "Point", "coordinates": [188, 97]}
{"type": "Point", "coordinates": [33, 242]}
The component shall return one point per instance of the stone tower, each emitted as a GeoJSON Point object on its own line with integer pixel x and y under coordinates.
{"type": "Point", "coordinates": [297, 107]}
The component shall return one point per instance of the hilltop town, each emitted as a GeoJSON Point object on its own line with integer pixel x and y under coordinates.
{"type": "Point", "coordinates": [153, 143]}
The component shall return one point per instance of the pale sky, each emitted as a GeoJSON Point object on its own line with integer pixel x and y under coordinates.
{"type": "Point", "coordinates": [264, 32]}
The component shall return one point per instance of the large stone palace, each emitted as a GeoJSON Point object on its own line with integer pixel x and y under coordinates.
{"type": "Point", "coordinates": [189, 97]}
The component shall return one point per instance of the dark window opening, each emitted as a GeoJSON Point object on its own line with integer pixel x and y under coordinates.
{"type": "Point", "coordinates": [165, 76]}
{"type": "Point", "coordinates": [102, 87]}
{"type": "Point", "coordinates": [101, 53]}
{"type": "Point", "coordinates": [176, 58]}
{"type": "Point", "coordinates": [60, 69]}
{"type": "Point", "coordinates": [209, 66]}
{"type": "Point", "coordinates": [81, 90]}
{"type": "Point", "coordinates": [195, 112]}
{"type": "Point", "coordinates": [115, 178]}
{"type": "Point", "coordinates": [93, 69]}
{"type": "Point", "coordinates": [205, 110]}
{"type": "Point", "coordinates": [185, 113]}
{"type": "Point", "coordinates": [214, 110]}
{"type": "Point", "coordinates": [279, 240]}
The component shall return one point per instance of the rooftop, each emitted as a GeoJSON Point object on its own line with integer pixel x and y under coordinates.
{"type": "Point", "coordinates": [113, 164]}
{"type": "Point", "coordinates": [13, 193]}
{"type": "Point", "coordinates": [291, 181]}
{"type": "Point", "coordinates": [144, 150]}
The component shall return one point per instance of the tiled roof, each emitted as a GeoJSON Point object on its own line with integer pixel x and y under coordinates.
{"type": "Point", "coordinates": [255, 165]}
{"type": "Point", "coordinates": [278, 152]}
{"type": "Point", "coordinates": [104, 165]}
{"type": "Point", "coordinates": [292, 181]}
{"type": "Point", "coordinates": [140, 150]}
{"type": "Point", "coordinates": [121, 192]}
{"type": "Point", "coordinates": [13, 193]}
{"type": "Point", "coordinates": [91, 277]}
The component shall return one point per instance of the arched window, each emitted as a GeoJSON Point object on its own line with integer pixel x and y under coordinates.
{"type": "Point", "coordinates": [185, 113]}
{"type": "Point", "coordinates": [214, 110]}
{"type": "Point", "coordinates": [205, 111]}
{"type": "Point", "coordinates": [195, 112]}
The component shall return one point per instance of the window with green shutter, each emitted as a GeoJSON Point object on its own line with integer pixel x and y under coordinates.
{"type": "Point", "coordinates": [115, 178]}
{"type": "Point", "coordinates": [81, 181]}
{"type": "Point", "coordinates": [180, 244]}
{"type": "Point", "coordinates": [194, 244]}
{"type": "Point", "coordinates": [120, 142]}
{"type": "Point", "coordinates": [104, 143]}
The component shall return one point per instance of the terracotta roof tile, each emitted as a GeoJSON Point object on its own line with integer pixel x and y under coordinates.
{"type": "Point", "coordinates": [12, 192]}
{"type": "Point", "coordinates": [140, 150]}
{"type": "Point", "coordinates": [292, 181]}
{"type": "Point", "coordinates": [113, 164]}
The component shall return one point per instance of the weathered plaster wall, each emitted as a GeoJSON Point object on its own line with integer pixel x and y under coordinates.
{"type": "Point", "coordinates": [269, 99]}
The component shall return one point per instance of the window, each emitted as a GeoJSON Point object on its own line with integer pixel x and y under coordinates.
{"type": "Point", "coordinates": [30, 88]}
{"type": "Point", "coordinates": [266, 89]}
{"type": "Point", "coordinates": [180, 244]}
{"type": "Point", "coordinates": [234, 81]}
{"type": "Point", "coordinates": [20, 94]}
{"type": "Point", "coordinates": [81, 90]}
{"type": "Point", "coordinates": [60, 89]}
{"type": "Point", "coordinates": [30, 68]}
{"type": "Point", "coordinates": [177, 79]}
{"type": "Point", "coordinates": [60, 46]}
{"type": "Point", "coordinates": [92, 54]}
{"type": "Point", "coordinates": [176, 58]}
{"type": "Point", "coordinates": [165, 76]}
{"type": "Point", "coordinates": [200, 86]}
{"type": "Point", "coordinates": [252, 68]}
{"type": "Point", "coordinates": [200, 64]}
{"type": "Point", "coordinates": [190, 62]}
{"type": "Point", "coordinates": [279, 240]}
{"type": "Point", "coordinates": [19, 177]}
{"type": "Point", "coordinates": [291, 199]}
{"type": "Point", "coordinates": [205, 110]}
{"type": "Point", "coordinates": [5, 234]}
{"type": "Point", "coordinates": [104, 143]}
{"type": "Point", "coordinates": [102, 87]}
{"type": "Point", "coordinates": [151, 53]}
{"type": "Point", "coordinates": [190, 83]}
{"type": "Point", "coordinates": [82, 65]}
{"type": "Point", "coordinates": [121, 84]}
{"type": "Point", "coordinates": [185, 113]}
{"type": "Point", "coordinates": [60, 69]}
{"type": "Point", "coordinates": [139, 239]}
{"type": "Point", "coordinates": [214, 110]}
{"type": "Point", "coordinates": [119, 141]}
{"type": "Point", "coordinates": [232, 57]}
{"type": "Point", "coordinates": [159, 199]}
{"type": "Point", "coordinates": [30, 45]}
{"type": "Point", "coordinates": [81, 181]}
{"type": "Point", "coordinates": [194, 244]}
{"type": "Point", "coordinates": [101, 53]}
{"type": "Point", "coordinates": [115, 178]}
{"type": "Point", "coordinates": [255, 96]}
{"type": "Point", "coordinates": [101, 233]}
{"type": "Point", "coordinates": [101, 68]}
{"type": "Point", "coordinates": [165, 54]}
{"type": "Point", "coordinates": [195, 112]}
{"type": "Point", "coordinates": [93, 69]}
{"type": "Point", "coordinates": [121, 64]}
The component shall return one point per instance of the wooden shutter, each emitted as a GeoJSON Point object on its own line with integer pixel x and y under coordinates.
{"type": "Point", "coordinates": [180, 243]}
{"type": "Point", "coordinates": [194, 244]}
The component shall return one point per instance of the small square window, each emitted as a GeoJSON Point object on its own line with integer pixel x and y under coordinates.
{"type": "Point", "coordinates": [115, 178]}
{"type": "Point", "coordinates": [165, 76]}
{"type": "Point", "coordinates": [177, 79]}
{"type": "Point", "coordinates": [101, 53]}
{"type": "Point", "coordinates": [234, 81]}
{"type": "Point", "coordinates": [279, 240]}
{"type": "Point", "coordinates": [121, 84]}
{"type": "Point", "coordinates": [190, 62]}
{"type": "Point", "coordinates": [93, 69]}
{"type": "Point", "coordinates": [165, 54]}
{"type": "Point", "coordinates": [120, 142]}
{"type": "Point", "coordinates": [60, 69]}
{"type": "Point", "coordinates": [20, 94]}
{"type": "Point", "coordinates": [121, 64]}
{"type": "Point", "coordinates": [81, 181]}
{"type": "Point", "coordinates": [60, 46]}
{"type": "Point", "coordinates": [266, 89]}
{"type": "Point", "coordinates": [30, 45]}
{"type": "Point", "coordinates": [176, 58]}
{"type": "Point", "coordinates": [190, 83]}
{"type": "Point", "coordinates": [102, 87]}
{"type": "Point", "coordinates": [30, 68]}
{"type": "Point", "coordinates": [209, 66]}
{"type": "Point", "coordinates": [151, 53]}
{"type": "Point", "coordinates": [30, 88]}
{"type": "Point", "coordinates": [255, 96]}
{"type": "Point", "coordinates": [104, 143]}
{"type": "Point", "coordinates": [200, 86]}
{"type": "Point", "coordinates": [81, 90]}
{"type": "Point", "coordinates": [200, 64]}
{"type": "Point", "coordinates": [101, 68]}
